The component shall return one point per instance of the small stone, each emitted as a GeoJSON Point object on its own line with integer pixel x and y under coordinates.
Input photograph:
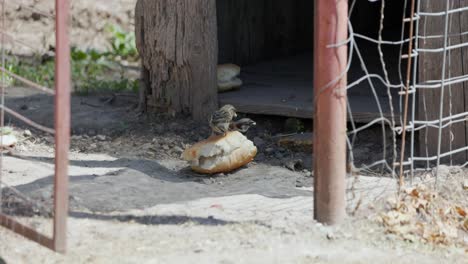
{"type": "Point", "coordinates": [146, 146]}
{"type": "Point", "coordinates": [258, 142]}
{"type": "Point", "coordinates": [49, 139]}
{"type": "Point", "coordinates": [330, 236]}
{"type": "Point", "coordinates": [165, 147]}
{"type": "Point", "coordinates": [465, 185]}
{"type": "Point", "coordinates": [92, 146]}
{"type": "Point", "coordinates": [295, 165]}
{"type": "Point", "coordinates": [299, 184]}
{"type": "Point", "coordinates": [27, 133]}
{"type": "Point", "coordinates": [269, 150]}
{"type": "Point", "coordinates": [44, 195]}
{"type": "Point", "coordinates": [178, 149]}
{"type": "Point", "coordinates": [308, 174]}
{"type": "Point", "coordinates": [74, 137]}
{"type": "Point", "coordinates": [260, 157]}
{"type": "Point", "coordinates": [101, 137]}
{"type": "Point", "coordinates": [36, 16]}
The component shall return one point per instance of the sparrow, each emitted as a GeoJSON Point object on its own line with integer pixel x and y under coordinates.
{"type": "Point", "coordinates": [242, 125]}
{"type": "Point", "coordinates": [221, 119]}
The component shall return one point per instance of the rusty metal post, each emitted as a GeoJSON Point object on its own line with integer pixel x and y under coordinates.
{"type": "Point", "coordinates": [62, 123]}
{"type": "Point", "coordinates": [331, 18]}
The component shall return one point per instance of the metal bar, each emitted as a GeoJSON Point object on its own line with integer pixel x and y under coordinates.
{"type": "Point", "coordinates": [331, 18]}
{"type": "Point", "coordinates": [27, 120]}
{"type": "Point", "coordinates": [442, 91]}
{"type": "Point", "coordinates": [28, 82]}
{"type": "Point", "coordinates": [407, 87]}
{"type": "Point", "coordinates": [2, 102]}
{"type": "Point", "coordinates": [438, 84]}
{"type": "Point", "coordinates": [25, 231]}
{"type": "Point", "coordinates": [451, 47]}
{"type": "Point", "coordinates": [443, 155]}
{"type": "Point", "coordinates": [442, 13]}
{"type": "Point", "coordinates": [62, 123]}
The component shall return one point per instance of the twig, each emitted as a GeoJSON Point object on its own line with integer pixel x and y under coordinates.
{"type": "Point", "coordinates": [408, 77]}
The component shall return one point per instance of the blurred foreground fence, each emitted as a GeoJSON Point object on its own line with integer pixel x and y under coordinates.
{"type": "Point", "coordinates": [408, 62]}
{"type": "Point", "coordinates": [11, 196]}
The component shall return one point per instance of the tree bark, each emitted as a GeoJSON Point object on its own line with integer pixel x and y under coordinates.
{"type": "Point", "coordinates": [177, 42]}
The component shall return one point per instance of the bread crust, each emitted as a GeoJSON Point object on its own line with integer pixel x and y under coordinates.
{"type": "Point", "coordinates": [219, 154]}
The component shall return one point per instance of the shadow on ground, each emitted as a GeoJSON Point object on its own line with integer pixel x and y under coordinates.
{"type": "Point", "coordinates": [139, 184]}
{"type": "Point", "coordinates": [154, 219]}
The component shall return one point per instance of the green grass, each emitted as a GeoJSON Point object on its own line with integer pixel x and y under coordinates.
{"type": "Point", "coordinates": [92, 70]}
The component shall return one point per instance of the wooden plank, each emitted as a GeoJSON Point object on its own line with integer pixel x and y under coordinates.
{"type": "Point", "coordinates": [284, 87]}
{"type": "Point", "coordinates": [430, 68]}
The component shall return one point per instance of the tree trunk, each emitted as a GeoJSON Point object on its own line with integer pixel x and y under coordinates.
{"type": "Point", "coordinates": [177, 41]}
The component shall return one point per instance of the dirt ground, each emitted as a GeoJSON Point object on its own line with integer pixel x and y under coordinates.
{"type": "Point", "coordinates": [133, 200]}
{"type": "Point", "coordinates": [131, 196]}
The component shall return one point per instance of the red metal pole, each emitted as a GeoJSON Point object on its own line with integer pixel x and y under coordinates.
{"type": "Point", "coordinates": [331, 18]}
{"type": "Point", "coordinates": [62, 123]}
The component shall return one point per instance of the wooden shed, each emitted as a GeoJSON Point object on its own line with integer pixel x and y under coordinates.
{"type": "Point", "coordinates": [182, 42]}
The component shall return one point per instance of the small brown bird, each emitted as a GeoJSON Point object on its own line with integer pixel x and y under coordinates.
{"type": "Point", "coordinates": [221, 119]}
{"type": "Point", "coordinates": [242, 125]}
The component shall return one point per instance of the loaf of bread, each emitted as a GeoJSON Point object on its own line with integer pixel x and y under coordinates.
{"type": "Point", "coordinates": [228, 77]}
{"type": "Point", "coordinates": [220, 154]}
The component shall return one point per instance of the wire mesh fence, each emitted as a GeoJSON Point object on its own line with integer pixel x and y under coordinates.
{"type": "Point", "coordinates": [410, 58]}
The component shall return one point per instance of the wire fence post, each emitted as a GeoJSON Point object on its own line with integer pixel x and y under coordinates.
{"type": "Point", "coordinates": [331, 18]}
{"type": "Point", "coordinates": [62, 123]}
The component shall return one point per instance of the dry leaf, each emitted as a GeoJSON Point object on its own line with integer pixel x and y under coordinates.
{"type": "Point", "coordinates": [460, 211]}
{"type": "Point", "coordinates": [414, 193]}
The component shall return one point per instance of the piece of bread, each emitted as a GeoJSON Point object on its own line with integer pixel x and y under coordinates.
{"type": "Point", "coordinates": [220, 154]}
{"type": "Point", "coordinates": [229, 85]}
{"type": "Point", "coordinates": [8, 141]}
{"type": "Point", "coordinates": [227, 72]}
{"type": "Point", "coordinates": [228, 77]}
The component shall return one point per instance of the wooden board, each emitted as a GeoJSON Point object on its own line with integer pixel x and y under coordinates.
{"type": "Point", "coordinates": [284, 87]}
{"type": "Point", "coordinates": [250, 31]}
{"type": "Point", "coordinates": [430, 68]}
